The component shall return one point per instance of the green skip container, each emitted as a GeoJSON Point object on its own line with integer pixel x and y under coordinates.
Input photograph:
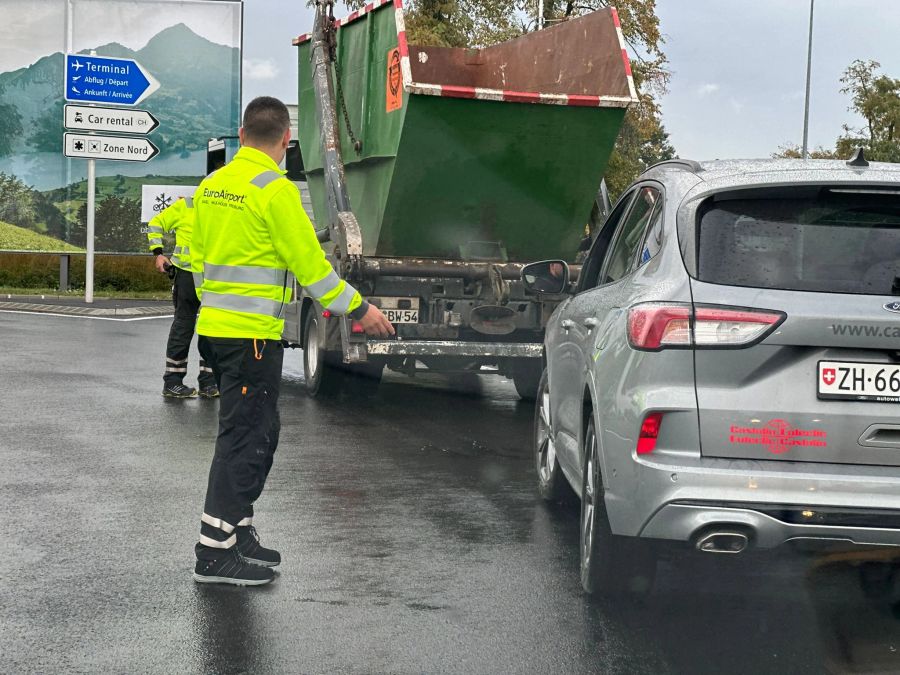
{"type": "Point", "coordinates": [470, 154]}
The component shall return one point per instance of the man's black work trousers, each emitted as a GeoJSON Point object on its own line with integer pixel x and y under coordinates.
{"type": "Point", "coordinates": [248, 373]}
{"type": "Point", "coordinates": [184, 297]}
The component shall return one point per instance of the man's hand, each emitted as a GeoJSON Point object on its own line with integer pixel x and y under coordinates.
{"type": "Point", "coordinates": [375, 323]}
{"type": "Point", "coordinates": [162, 264]}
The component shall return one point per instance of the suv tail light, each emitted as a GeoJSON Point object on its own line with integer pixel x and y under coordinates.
{"type": "Point", "coordinates": [649, 433]}
{"type": "Point", "coordinates": [654, 326]}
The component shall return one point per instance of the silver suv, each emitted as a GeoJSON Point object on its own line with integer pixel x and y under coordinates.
{"type": "Point", "coordinates": [726, 371]}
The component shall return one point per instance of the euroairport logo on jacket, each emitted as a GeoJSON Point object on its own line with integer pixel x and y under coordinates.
{"type": "Point", "coordinates": [223, 196]}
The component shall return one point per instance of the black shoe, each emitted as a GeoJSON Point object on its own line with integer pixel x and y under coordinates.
{"type": "Point", "coordinates": [179, 390]}
{"type": "Point", "coordinates": [209, 391]}
{"type": "Point", "coordinates": [231, 568]}
{"type": "Point", "coordinates": [254, 552]}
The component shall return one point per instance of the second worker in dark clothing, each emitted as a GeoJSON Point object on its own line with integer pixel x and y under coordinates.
{"type": "Point", "coordinates": [179, 218]}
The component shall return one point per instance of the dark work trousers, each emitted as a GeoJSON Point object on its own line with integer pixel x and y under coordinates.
{"type": "Point", "coordinates": [184, 297]}
{"type": "Point", "coordinates": [248, 373]}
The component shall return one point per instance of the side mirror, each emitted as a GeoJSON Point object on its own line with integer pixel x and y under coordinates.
{"type": "Point", "coordinates": [549, 277]}
{"type": "Point", "coordinates": [293, 162]}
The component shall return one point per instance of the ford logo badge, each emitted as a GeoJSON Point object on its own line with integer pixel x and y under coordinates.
{"type": "Point", "coordinates": [893, 306]}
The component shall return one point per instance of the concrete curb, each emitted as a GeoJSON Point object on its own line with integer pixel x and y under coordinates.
{"type": "Point", "coordinates": [82, 309]}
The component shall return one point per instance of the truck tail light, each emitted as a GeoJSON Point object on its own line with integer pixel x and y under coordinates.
{"type": "Point", "coordinates": [649, 433]}
{"type": "Point", "coordinates": [654, 326]}
{"type": "Point", "coordinates": [356, 327]}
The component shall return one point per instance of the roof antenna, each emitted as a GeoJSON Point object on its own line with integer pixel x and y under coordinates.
{"type": "Point", "coordinates": [858, 159]}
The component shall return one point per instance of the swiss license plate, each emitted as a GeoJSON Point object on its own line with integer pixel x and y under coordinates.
{"type": "Point", "coordinates": [398, 310]}
{"type": "Point", "coordinates": [859, 381]}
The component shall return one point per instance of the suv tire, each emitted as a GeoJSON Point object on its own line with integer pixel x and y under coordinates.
{"type": "Point", "coordinates": [552, 484]}
{"type": "Point", "coordinates": [609, 564]}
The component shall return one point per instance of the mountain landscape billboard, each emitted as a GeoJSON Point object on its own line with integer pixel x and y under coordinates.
{"type": "Point", "coordinates": [191, 47]}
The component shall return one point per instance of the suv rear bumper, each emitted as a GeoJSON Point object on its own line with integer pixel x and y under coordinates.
{"type": "Point", "coordinates": [691, 521]}
{"type": "Point", "coordinates": [685, 497]}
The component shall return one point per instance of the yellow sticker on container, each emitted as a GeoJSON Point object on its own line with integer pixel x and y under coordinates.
{"type": "Point", "coordinates": [394, 93]}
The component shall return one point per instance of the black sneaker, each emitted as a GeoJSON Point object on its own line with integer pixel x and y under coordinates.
{"type": "Point", "coordinates": [209, 391]}
{"type": "Point", "coordinates": [254, 552]}
{"type": "Point", "coordinates": [179, 391]}
{"type": "Point", "coordinates": [231, 568]}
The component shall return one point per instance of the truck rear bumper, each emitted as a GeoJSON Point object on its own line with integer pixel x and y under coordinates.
{"type": "Point", "coordinates": [454, 348]}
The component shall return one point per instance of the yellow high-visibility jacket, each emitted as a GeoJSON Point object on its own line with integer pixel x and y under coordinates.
{"type": "Point", "coordinates": [250, 235]}
{"type": "Point", "coordinates": [177, 218]}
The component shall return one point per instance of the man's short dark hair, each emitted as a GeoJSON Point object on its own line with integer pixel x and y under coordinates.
{"type": "Point", "coordinates": [265, 120]}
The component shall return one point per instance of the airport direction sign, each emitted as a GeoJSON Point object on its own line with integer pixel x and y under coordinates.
{"type": "Point", "coordinates": [97, 118]}
{"type": "Point", "coordinates": [121, 148]}
{"type": "Point", "coordinates": [102, 79]}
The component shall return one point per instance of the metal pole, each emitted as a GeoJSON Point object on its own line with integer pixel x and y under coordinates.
{"type": "Point", "coordinates": [89, 258]}
{"type": "Point", "coordinates": [540, 21]}
{"type": "Point", "coordinates": [812, 4]}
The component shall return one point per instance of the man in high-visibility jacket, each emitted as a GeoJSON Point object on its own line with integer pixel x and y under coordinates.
{"type": "Point", "coordinates": [250, 235]}
{"type": "Point", "coordinates": [179, 218]}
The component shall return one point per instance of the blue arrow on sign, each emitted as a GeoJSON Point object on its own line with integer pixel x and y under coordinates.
{"type": "Point", "coordinates": [102, 79]}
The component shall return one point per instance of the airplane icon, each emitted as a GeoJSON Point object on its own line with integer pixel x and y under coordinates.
{"type": "Point", "coordinates": [75, 90]}
{"type": "Point", "coordinates": [75, 78]}
{"type": "Point", "coordinates": [77, 65]}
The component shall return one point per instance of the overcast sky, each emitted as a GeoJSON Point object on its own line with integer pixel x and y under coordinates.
{"type": "Point", "coordinates": [32, 29]}
{"type": "Point", "coordinates": [738, 66]}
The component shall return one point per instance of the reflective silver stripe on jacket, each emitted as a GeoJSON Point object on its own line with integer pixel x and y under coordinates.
{"type": "Point", "coordinates": [245, 274]}
{"type": "Point", "coordinates": [156, 243]}
{"type": "Point", "coordinates": [189, 201]}
{"type": "Point", "coordinates": [198, 279]}
{"type": "Point", "coordinates": [265, 178]}
{"type": "Point", "coordinates": [183, 250]}
{"type": "Point", "coordinates": [322, 286]}
{"type": "Point", "coordinates": [155, 229]}
{"type": "Point", "coordinates": [177, 261]}
{"type": "Point", "coordinates": [243, 303]}
{"type": "Point", "coordinates": [341, 304]}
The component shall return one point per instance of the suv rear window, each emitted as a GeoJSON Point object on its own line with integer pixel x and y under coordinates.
{"type": "Point", "coordinates": [834, 240]}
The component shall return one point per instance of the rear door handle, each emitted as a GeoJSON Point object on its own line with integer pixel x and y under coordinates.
{"type": "Point", "coordinates": [567, 324]}
{"type": "Point", "coordinates": [590, 323]}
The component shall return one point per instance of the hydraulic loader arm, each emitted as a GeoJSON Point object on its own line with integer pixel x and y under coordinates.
{"type": "Point", "coordinates": [343, 228]}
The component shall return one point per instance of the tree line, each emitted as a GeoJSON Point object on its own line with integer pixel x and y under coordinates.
{"type": "Point", "coordinates": [875, 97]}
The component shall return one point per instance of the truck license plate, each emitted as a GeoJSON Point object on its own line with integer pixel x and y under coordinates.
{"type": "Point", "coordinates": [859, 381]}
{"type": "Point", "coordinates": [398, 310]}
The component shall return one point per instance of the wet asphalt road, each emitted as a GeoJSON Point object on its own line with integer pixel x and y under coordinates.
{"type": "Point", "coordinates": [409, 524]}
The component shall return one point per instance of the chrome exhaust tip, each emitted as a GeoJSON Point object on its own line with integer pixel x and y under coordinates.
{"type": "Point", "coordinates": [723, 542]}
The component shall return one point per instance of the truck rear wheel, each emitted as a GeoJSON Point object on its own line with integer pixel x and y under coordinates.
{"type": "Point", "coordinates": [526, 375]}
{"type": "Point", "coordinates": [321, 377]}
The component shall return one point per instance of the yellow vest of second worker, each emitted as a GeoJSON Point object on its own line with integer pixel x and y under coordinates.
{"type": "Point", "coordinates": [177, 218]}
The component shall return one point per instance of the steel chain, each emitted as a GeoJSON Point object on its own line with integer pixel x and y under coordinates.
{"type": "Point", "coordinates": [331, 39]}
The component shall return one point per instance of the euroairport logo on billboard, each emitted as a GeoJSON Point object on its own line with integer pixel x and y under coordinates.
{"type": "Point", "coordinates": [157, 198]}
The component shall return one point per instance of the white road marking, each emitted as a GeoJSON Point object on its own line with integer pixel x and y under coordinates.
{"type": "Point", "coordinates": [83, 316]}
